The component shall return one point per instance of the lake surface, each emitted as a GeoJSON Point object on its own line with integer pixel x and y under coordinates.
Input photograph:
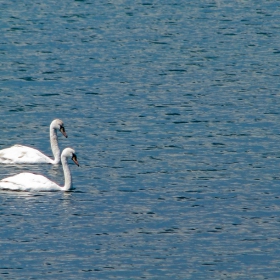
{"type": "Point", "coordinates": [173, 110]}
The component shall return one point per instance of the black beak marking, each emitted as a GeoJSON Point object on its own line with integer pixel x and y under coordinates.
{"type": "Point", "coordinates": [62, 130]}
{"type": "Point", "coordinates": [74, 158]}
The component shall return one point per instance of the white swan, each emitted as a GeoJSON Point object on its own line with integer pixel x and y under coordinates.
{"type": "Point", "coordinates": [24, 154]}
{"type": "Point", "coordinates": [32, 182]}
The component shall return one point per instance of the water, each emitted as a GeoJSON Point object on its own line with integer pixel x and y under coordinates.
{"type": "Point", "coordinates": [173, 109]}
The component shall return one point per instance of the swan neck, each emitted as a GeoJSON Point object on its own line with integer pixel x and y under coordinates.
{"type": "Point", "coordinates": [54, 145]}
{"type": "Point", "coordinates": [67, 174]}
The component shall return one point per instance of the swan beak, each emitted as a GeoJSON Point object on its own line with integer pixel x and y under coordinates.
{"type": "Point", "coordinates": [74, 158]}
{"type": "Point", "coordinates": [62, 130]}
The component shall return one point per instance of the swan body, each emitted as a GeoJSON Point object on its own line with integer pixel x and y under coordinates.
{"type": "Point", "coordinates": [22, 154]}
{"type": "Point", "coordinates": [33, 182]}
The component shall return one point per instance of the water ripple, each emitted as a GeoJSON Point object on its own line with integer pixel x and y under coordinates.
{"type": "Point", "coordinates": [173, 111]}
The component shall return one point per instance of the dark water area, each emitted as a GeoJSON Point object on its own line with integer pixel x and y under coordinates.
{"type": "Point", "coordinates": [173, 110]}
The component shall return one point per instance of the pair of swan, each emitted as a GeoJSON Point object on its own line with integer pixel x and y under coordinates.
{"type": "Point", "coordinates": [32, 182]}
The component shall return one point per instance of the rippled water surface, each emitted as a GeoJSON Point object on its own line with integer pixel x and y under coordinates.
{"type": "Point", "coordinates": [173, 109]}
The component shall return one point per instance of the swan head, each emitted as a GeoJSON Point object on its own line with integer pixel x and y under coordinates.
{"type": "Point", "coordinates": [58, 124]}
{"type": "Point", "coordinates": [70, 153]}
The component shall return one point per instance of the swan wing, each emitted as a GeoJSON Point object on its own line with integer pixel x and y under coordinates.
{"type": "Point", "coordinates": [22, 154]}
{"type": "Point", "coordinates": [29, 182]}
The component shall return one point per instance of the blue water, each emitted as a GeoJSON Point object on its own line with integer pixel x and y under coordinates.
{"type": "Point", "coordinates": [173, 110]}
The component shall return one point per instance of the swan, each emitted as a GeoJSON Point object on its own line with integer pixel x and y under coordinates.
{"type": "Point", "coordinates": [32, 182]}
{"type": "Point", "coordinates": [23, 154]}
